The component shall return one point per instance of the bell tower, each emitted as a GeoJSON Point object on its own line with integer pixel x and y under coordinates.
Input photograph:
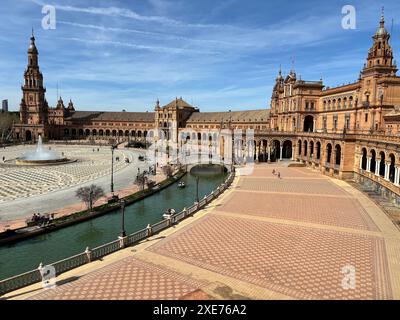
{"type": "Point", "coordinates": [380, 56]}
{"type": "Point", "coordinates": [33, 107]}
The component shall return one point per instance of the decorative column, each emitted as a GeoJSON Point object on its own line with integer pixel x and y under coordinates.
{"type": "Point", "coordinates": [361, 160]}
{"type": "Point", "coordinates": [396, 176]}
{"type": "Point", "coordinates": [293, 152]}
{"type": "Point", "coordinates": [377, 167]}
{"type": "Point", "coordinates": [387, 169]}
{"type": "Point", "coordinates": [281, 155]}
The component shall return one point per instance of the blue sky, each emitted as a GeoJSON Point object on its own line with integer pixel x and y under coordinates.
{"type": "Point", "coordinates": [218, 55]}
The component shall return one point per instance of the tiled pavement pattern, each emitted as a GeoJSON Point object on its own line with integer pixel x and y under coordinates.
{"type": "Point", "coordinates": [303, 186]}
{"type": "Point", "coordinates": [299, 261]}
{"type": "Point", "coordinates": [23, 182]}
{"type": "Point", "coordinates": [265, 238]}
{"type": "Point", "coordinates": [296, 261]}
{"type": "Point", "coordinates": [128, 279]}
{"type": "Point", "coordinates": [342, 212]}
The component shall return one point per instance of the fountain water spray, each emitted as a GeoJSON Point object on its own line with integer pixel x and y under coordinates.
{"type": "Point", "coordinates": [41, 156]}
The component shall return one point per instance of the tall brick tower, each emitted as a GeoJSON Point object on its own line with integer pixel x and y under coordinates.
{"type": "Point", "coordinates": [33, 107]}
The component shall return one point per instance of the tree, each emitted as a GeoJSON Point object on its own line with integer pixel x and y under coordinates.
{"type": "Point", "coordinates": [89, 195]}
{"type": "Point", "coordinates": [6, 122]}
{"type": "Point", "coordinates": [168, 171]}
{"type": "Point", "coordinates": [141, 180]}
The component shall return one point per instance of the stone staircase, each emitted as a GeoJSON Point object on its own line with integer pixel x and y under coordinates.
{"type": "Point", "coordinates": [389, 207]}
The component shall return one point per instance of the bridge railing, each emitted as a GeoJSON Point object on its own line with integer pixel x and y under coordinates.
{"type": "Point", "coordinates": [62, 266]}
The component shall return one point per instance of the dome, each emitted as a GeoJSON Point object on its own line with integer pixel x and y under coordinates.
{"type": "Point", "coordinates": [32, 47]}
{"type": "Point", "coordinates": [382, 30]}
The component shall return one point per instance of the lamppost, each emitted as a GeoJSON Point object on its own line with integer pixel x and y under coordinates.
{"type": "Point", "coordinates": [197, 189]}
{"type": "Point", "coordinates": [233, 143]}
{"type": "Point", "coordinates": [123, 233]}
{"type": "Point", "coordinates": [113, 147]}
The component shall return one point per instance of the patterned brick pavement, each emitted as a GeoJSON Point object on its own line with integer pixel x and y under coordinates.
{"type": "Point", "coordinates": [304, 263]}
{"type": "Point", "coordinates": [128, 279]}
{"type": "Point", "coordinates": [263, 172]}
{"type": "Point", "coordinates": [342, 212]}
{"type": "Point", "coordinates": [307, 186]}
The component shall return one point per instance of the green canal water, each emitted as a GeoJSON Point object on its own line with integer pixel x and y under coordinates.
{"type": "Point", "coordinates": [27, 255]}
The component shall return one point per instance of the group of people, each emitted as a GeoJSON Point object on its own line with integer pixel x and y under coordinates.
{"type": "Point", "coordinates": [42, 220]}
{"type": "Point", "coordinates": [276, 173]}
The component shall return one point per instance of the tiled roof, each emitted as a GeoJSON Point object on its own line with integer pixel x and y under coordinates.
{"type": "Point", "coordinates": [236, 116]}
{"type": "Point", "coordinates": [180, 103]}
{"type": "Point", "coordinates": [112, 116]}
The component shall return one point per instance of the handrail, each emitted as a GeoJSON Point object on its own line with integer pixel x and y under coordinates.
{"type": "Point", "coordinates": [62, 266]}
{"type": "Point", "coordinates": [105, 249]}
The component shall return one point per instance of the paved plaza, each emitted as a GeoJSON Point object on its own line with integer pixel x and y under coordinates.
{"type": "Point", "coordinates": [24, 189]}
{"type": "Point", "coordinates": [265, 238]}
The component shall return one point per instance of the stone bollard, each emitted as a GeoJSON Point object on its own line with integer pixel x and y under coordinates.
{"type": "Point", "coordinates": [123, 242]}
{"type": "Point", "coordinates": [149, 230]}
{"type": "Point", "coordinates": [169, 220]}
{"type": "Point", "coordinates": [88, 254]}
{"type": "Point", "coordinates": [184, 212]}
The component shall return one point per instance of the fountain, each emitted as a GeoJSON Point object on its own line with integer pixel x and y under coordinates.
{"type": "Point", "coordinates": [41, 156]}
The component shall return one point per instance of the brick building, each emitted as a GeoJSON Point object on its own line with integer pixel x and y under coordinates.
{"type": "Point", "coordinates": [351, 131]}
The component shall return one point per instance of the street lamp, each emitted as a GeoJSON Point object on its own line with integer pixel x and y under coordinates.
{"type": "Point", "coordinates": [233, 144]}
{"type": "Point", "coordinates": [123, 233]}
{"type": "Point", "coordinates": [197, 189]}
{"type": "Point", "coordinates": [112, 169]}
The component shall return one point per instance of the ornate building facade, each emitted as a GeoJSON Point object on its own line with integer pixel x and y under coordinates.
{"type": "Point", "coordinates": [351, 131]}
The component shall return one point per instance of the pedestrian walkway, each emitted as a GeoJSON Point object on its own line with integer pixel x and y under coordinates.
{"type": "Point", "coordinates": [304, 236]}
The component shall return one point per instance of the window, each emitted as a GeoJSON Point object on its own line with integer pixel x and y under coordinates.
{"type": "Point", "coordinates": [366, 117]}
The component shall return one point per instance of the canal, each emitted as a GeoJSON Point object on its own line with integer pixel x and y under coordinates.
{"type": "Point", "coordinates": [27, 255]}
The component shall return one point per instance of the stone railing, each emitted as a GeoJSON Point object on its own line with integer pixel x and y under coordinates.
{"type": "Point", "coordinates": [34, 276]}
